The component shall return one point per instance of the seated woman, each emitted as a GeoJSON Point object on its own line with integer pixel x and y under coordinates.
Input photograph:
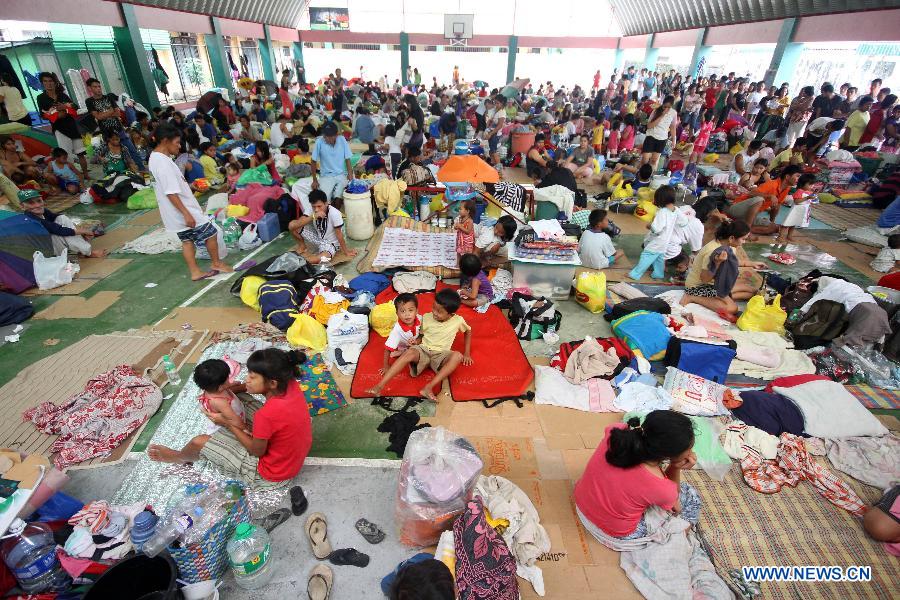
{"type": "Point", "coordinates": [16, 165]}
{"type": "Point", "coordinates": [113, 156]}
{"type": "Point", "coordinates": [536, 158]}
{"type": "Point", "coordinates": [271, 448]}
{"type": "Point", "coordinates": [714, 279]}
{"type": "Point", "coordinates": [625, 477]}
{"type": "Point", "coordinates": [263, 156]}
{"type": "Point", "coordinates": [581, 161]}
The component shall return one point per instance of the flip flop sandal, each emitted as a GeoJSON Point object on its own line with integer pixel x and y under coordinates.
{"type": "Point", "coordinates": [370, 531]}
{"type": "Point", "coordinates": [245, 265]}
{"type": "Point", "coordinates": [349, 556]}
{"type": "Point", "coordinates": [317, 532]}
{"type": "Point", "coordinates": [299, 501]}
{"type": "Point", "coordinates": [318, 586]}
{"type": "Point", "coordinates": [207, 275]}
{"type": "Point", "coordinates": [273, 520]}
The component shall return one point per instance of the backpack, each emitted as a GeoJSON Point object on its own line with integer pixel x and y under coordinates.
{"type": "Point", "coordinates": [278, 303]}
{"type": "Point", "coordinates": [675, 165]}
{"type": "Point", "coordinates": [626, 307]}
{"type": "Point", "coordinates": [374, 283]}
{"type": "Point", "coordinates": [485, 567]}
{"type": "Point", "coordinates": [706, 360]}
{"type": "Point", "coordinates": [824, 321]}
{"type": "Point", "coordinates": [645, 332]}
{"type": "Point", "coordinates": [414, 282]}
{"type": "Point", "coordinates": [416, 175]}
{"type": "Point", "coordinates": [285, 207]}
{"type": "Point", "coordinates": [531, 317]}
{"type": "Point", "coordinates": [296, 277]}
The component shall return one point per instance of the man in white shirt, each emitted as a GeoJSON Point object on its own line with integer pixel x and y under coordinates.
{"type": "Point", "coordinates": [180, 212]}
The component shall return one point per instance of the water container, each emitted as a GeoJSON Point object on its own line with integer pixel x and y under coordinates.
{"type": "Point", "coordinates": [359, 221]}
{"type": "Point", "coordinates": [480, 207]}
{"type": "Point", "coordinates": [249, 555]}
{"type": "Point", "coordinates": [30, 553]}
{"type": "Point", "coordinates": [268, 227]}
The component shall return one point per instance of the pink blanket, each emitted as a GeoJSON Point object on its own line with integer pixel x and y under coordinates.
{"type": "Point", "coordinates": [254, 196]}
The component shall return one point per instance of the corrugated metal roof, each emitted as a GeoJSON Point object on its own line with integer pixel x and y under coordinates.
{"type": "Point", "coordinates": [284, 13]}
{"type": "Point", "coordinates": [638, 17]}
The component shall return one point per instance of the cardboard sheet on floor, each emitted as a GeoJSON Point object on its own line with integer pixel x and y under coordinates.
{"type": "Point", "coordinates": [338, 259]}
{"type": "Point", "coordinates": [213, 318]}
{"type": "Point", "coordinates": [77, 286]}
{"type": "Point", "coordinates": [509, 457]}
{"type": "Point", "coordinates": [500, 367]}
{"type": "Point", "coordinates": [77, 307]}
{"type": "Point", "coordinates": [59, 202]}
{"type": "Point", "coordinates": [92, 270]}
{"type": "Point", "coordinates": [57, 377]}
{"type": "Point", "coordinates": [116, 238]}
{"type": "Point", "coordinates": [371, 251]}
{"type": "Point", "coordinates": [151, 217]}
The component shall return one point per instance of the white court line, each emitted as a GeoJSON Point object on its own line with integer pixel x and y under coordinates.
{"type": "Point", "coordinates": [220, 278]}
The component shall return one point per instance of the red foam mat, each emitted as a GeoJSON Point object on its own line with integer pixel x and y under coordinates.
{"type": "Point", "coordinates": [500, 370]}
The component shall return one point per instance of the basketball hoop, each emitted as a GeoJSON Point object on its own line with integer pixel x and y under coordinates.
{"type": "Point", "coordinates": [458, 41]}
{"type": "Point", "coordinates": [458, 29]}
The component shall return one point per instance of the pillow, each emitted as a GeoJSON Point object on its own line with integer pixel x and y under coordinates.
{"type": "Point", "coordinates": [793, 380]}
{"type": "Point", "coordinates": [694, 395]}
{"type": "Point", "coordinates": [830, 411]}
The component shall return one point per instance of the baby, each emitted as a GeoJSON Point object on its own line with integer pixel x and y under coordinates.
{"type": "Point", "coordinates": [216, 378]}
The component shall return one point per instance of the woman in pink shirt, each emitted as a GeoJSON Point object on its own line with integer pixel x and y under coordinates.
{"type": "Point", "coordinates": [625, 476]}
{"type": "Point", "coordinates": [626, 139]}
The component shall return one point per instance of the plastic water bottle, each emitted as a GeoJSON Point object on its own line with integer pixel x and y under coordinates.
{"type": "Point", "coordinates": [171, 370]}
{"type": "Point", "coordinates": [231, 231]}
{"type": "Point", "coordinates": [30, 553]}
{"type": "Point", "coordinates": [187, 515]}
{"type": "Point", "coordinates": [249, 556]}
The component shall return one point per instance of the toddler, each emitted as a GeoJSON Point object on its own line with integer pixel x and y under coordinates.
{"type": "Point", "coordinates": [662, 230]}
{"type": "Point", "coordinates": [475, 288]}
{"type": "Point", "coordinates": [216, 378]}
{"type": "Point", "coordinates": [795, 212]}
{"type": "Point", "coordinates": [465, 229]}
{"type": "Point", "coordinates": [66, 175]}
{"type": "Point", "coordinates": [406, 330]}
{"type": "Point", "coordinates": [232, 174]}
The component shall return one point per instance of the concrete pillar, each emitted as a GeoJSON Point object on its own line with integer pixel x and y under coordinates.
{"type": "Point", "coordinates": [404, 56]}
{"type": "Point", "coordinates": [786, 55]}
{"type": "Point", "coordinates": [651, 54]}
{"type": "Point", "coordinates": [700, 52]}
{"type": "Point", "coordinates": [619, 60]}
{"type": "Point", "coordinates": [298, 61]}
{"type": "Point", "coordinates": [134, 59]}
{"type": "Point", "coordinates": [512, 49]}
{"type": "Point", "coordinates": [265, 55]}
{"type": "Point", "coordinates": [218, 62]}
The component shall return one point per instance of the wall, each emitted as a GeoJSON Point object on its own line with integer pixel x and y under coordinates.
{"type": "Point", "coordinates": [874, 26]}
{"type": "Point", "coordinates": [283, 34]}
{"type": "Point", "coordinates": [745, 33]}
{"type": "Point", "coordinates": [633, 41]}
{"type": "Point", "coordinates": [669, 39]}
{"type": "Point", "coordinates": [171, 20]}
{"type": "Point", "coordinates": [242, 29]}
{"type": "Point", "coordinates": [87, 12]}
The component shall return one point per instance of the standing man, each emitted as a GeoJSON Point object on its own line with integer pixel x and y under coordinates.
{"type": "Point", "coordinates": [331, 169]}
{"type": "Point", "coordinates": [105, 111]}
{"type": "Point", "coordinates": [58, 108]}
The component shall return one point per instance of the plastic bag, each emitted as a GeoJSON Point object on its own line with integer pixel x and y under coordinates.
{"type": "Point", "coordinates": [249, 239]}
{"type": "Point", "coordinates": [590, 291]}
{"type": "Point", "coordinates": [711, 457]}
{"type": "Point", "coordinates": [250, 291]}
{"type": "Point", "coordinates": [307, 333]}
{"type": "Point", "coordinates": [694, 395]}
{"type": "Point", "coordinates": [237, 210]}
{"type": "Point", "coordinates": [382, 318]}
{"type": "Point", "coordinates": [622, 191]}
{"type": "Point", "coordinates": [141, 199]}
{"type": "Point", "coordinates": [870, 366]}
{"type": "Point", "coordinates": [201, 184]}
{"type": "Point", "coordinates": [60, 507]}
{"type": "Point", "coordinates": [711, 158]}
{"type": "Point", "coordinates": [203, 253]}
{"type": "Point", "coordinates": [53, 272]}
{"type": "Point", "coordinates": [258, 174]}
{"type": "Point", "coordinates": [645, 210]}
{"type": "Point", "coordinates": [345, 328]}
{"type": "Point", "coordinates": [217, 201]}
{"type": "Point", "coordinates": [760, 316]}
{"type": "Point", "coordinates": [437, 476]}
{"type": "Point", "coordinates": [86, 197]}
{"type": "Point", "coordinates": [286, 263]}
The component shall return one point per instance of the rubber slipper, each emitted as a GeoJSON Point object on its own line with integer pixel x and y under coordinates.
{"type": "Point", "coordinates": [370, 531]}
{"type": "Point", "coordinates": [321, 579]}
{"type": "Point", "coordinates": [207, 275]}
{"type": "Point", "coordinates": [273, 520]}
{"type": "Point", "coordinates": [349, 556]}
{"type": "Point", "coordinates": [299, 502]}
{"type": "Point", "coordinates": [317, 532]}
{"type": "Point", "coordinates": [245, 265]}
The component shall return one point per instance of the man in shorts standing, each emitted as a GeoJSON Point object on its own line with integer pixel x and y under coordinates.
{"type": "Point", "coordinates": [181, 213]}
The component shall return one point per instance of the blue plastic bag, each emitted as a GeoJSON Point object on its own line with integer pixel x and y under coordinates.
{"type": "Point", "coordinates": [60, 507]}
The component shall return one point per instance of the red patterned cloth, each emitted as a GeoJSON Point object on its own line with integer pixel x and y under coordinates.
{"type": "Point", "coordinates": [95, 421]}
{"type": "Point", "coordinates": [793, 465]}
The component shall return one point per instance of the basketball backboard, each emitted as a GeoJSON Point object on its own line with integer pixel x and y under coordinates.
{"type": "Point", "coordinates": [458, 28]}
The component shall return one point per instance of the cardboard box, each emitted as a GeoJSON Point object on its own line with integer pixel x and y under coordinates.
{"type": "Point", "coordinates": [509, 457]}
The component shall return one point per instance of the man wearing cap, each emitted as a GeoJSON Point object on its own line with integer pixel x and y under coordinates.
{"type": "Point", "coordinates": [331, 169]}
{"type": "Point", "coordinates": [64, 233]}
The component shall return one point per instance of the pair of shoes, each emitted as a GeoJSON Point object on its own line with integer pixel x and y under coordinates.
{"type": "Point", "coordinates": [317, 532]}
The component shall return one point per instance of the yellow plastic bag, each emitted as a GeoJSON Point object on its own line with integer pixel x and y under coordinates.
{"type": "Point", "coordinates": [382, 318]}
{"type": "Point", "coordinates": [645, 210]}
{"type": "Point", "coordinates": [735, 150]}
{"type": "Point", "coordinates": [614, 180]}
{"type": "Point", "coordinates": [760, 316]}
{"type": "Point", "coordinates": [236, 210]}
{"type": "Point", "coordinates": [621, 192]}
{"type": "Point", "coordinates": [250, 291]}
{"type": "Point", "coordinates": [307, 333]}
{"type": "Point", "coordinates": [590, 291]}
{"type": "Point", "coordinates": [711, 158]}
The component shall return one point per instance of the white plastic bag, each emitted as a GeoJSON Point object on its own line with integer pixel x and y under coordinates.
{"type": "Point", "coordinates": [249, 239]}
{"type": "Point", "coordinates": [216, 201]}
{"type": "Point", "coordinates": [203, 253]}
{"type": "Point", "coordinates": [346, 328]}
{"type": "Point", "coordinates": [282, 161]}
{"type": "Point", "coordinates": [85, 197]}
{"type": "Point", "coordinates": [53, 272]}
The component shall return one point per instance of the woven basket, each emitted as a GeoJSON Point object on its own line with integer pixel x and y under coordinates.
{"type": "Point", "coordinates": [208, 559]}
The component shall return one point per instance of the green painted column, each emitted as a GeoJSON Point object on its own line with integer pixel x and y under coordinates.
{"type": "Point", "coordinates": [785, 56]}
{"type": "Point", "coordinates": [512, 50]}
{"type": "Point", "coordinates": [298, 60]}
{"type": "Point", "coordinates": [265, 54]}
{"type": "Point", "coordinates": [134, 59]}
{"type": "Point", "coordinates": [651, 54]}
{"type": "Point", "coordinates": [700, 52]}
{"type": "Point", "coordinates": [218, 62]}
{"type": "Point", "coordinates": [404, 56]}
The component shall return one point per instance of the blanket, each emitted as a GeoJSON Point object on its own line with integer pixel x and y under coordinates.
{"type": "Point", "coordinates": [366, 261]}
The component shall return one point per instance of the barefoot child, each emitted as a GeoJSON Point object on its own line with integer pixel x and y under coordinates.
{"type": "Point", "coordinates": [405, 333]}
{"type": "Point", "coordinates": [595, 248]}
{"type": "Point", "coordinates": [662, 230]}
{"type": "Point", "coordinates": [475, 288]}
{"type": "Point", "coordinates": [465, 229]}
{"type": "Point", "coordinates": [439, 329]}
{"type": "Point", "coordinates": [701, 140]}
{"type": "Point", "coordinates": [269, 449]}
{"type": "Point", "coordinates": [68, 178]}
{"type": "Point", "coordinates": [181, 213]}
{"type": "Point", "coordinates": [795, 212]}
{"type": "Point", "coordinates": [216, 378]}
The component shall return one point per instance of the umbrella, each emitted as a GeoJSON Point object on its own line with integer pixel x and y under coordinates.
{"type": "Point", "coordinates": [208, 102]}
{"type": "Point", "coordinates": [480, 83]}
{"type": "Point", "coordinates": [467, 168]}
